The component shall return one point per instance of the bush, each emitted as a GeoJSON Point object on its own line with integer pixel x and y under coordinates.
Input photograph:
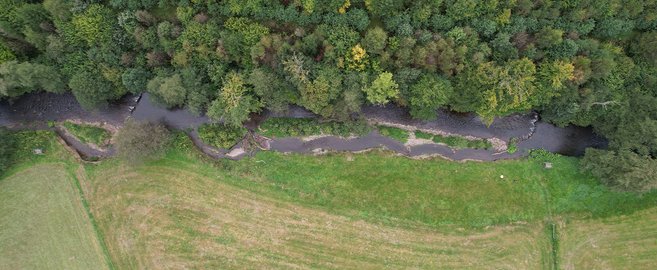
{"type": "Point", "coordinates": [88, 133]}
{"type": "Point", "coordinates": [221, 136]}
{"type": "Point", "coordinates": [393, 132]}
{"type": "Point", "coordinates": [138, 142]}
{"type": "Point", "coordinates": [18, 146]}
{"type": "Point", "coordinates": [298, 127]}
{"type": "Point", "coordinates": [6, 149]}
{"type": "Point", "coordinates": [543, 155]}
{"type": "Point", "coordinates": [623, 169]}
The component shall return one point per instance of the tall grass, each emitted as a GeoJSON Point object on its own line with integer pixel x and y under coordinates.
{"type": "Point", "coordinates": [88, 133]}
{"type": "Point", "coordinates": [220, 136]}
{"type": "Point", "coordinates": [455, 141]}
{"type": "Point", "coordinates": [398, 134]}
{"type": "Point", "coordinates": [294, 127]}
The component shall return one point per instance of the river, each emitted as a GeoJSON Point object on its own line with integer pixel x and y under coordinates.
{"type": "Point", "coordinates": [33, 111]}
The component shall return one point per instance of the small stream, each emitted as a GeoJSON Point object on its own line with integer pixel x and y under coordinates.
{"type": "Point", "coordinates": [33, 111]}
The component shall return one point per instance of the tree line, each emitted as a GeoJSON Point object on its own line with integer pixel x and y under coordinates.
{"type": "Point", "coordinates": [582, 62]}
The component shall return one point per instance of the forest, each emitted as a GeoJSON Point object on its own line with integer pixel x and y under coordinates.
{"type": "Point", "coordinates": [579, 62]}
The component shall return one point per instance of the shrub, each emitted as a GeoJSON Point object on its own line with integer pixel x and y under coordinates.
{"type": "Point", "coordinates": [181, 143]}
{"type": "Point", "coordinates": [622, 169]}
{"type": "Point", "coordinates": [18, 146]}
{"type": "Point", "coordinates": [6, 149]}
{"type": "Point", "coordinates": [423, 135]}
{"type": "Point", "coordinates": [88, 133]}
{"type": "Point", "coordinates": [295, 127]}
{"type": "Point", "coordinates": [513, 146]}
{"type": "Point", "coordinates": [220, 135]}
{"type": "Point", "coordinates": [480, 144]}
{"type": "Point", "coordinates": [543, 155]}
{"type": "Point", "coordinates": [138, 142]}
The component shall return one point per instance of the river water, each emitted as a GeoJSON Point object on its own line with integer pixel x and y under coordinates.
{"type": "Point", "coordinates": [33, 111]}
{"type": "Point", "coordinates": [532, 134]}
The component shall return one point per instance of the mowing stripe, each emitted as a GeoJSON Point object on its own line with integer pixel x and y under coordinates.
{"type": "Point", "coordinates": [551, 229]}
{"type": "Point", "coordinates": [553, 236]}
{"type": "Point", "coordinates": [94, 224]}
{"type": "Point", "coordinates": [554, 244]}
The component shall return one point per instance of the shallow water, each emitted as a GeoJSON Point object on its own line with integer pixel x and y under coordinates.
{"type": "Point", "coordinates": [36, 109]}
{"type": "Point", "coordinates": [147, 110]}
{"type": "Point", "coordinates": [467, 124]}
{"type": "Point", "coordinates": [570, 140]}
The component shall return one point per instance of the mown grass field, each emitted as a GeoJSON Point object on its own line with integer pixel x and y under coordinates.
{"type": "Point", "coordinates": [44, 224]}
{"type": "Point", "coordinates": [158, 217]}
{"type": "Point", "coordinates": [622, 242]}
{"type": "Point", "coordinates": [359, 211]}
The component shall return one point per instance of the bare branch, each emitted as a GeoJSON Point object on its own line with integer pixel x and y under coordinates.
{"type": "Point", "coordinates": [605, 104]}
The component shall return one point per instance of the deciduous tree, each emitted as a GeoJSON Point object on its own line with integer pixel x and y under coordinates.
{"type": "Point", "coordinates": [94, 25]}
{"type": "Point", "coordinates": [235, 102]}
{"type": "Point", "coordinates": [19, 78]}
{"type": "Point", "coordinates": [168, 91]}
{"type": "Point", "coordinates": [274, 92]}
{"type": "Point", "coordinates": [375, 40]}
{"type": "Point", "coordinates": [506, 88]}
{"type": "Point", "coordinates": [428, 94]}
{"type": "Point", "coordinates": [91, 89]}
{"type": "Point", "coordinates": [624, 170]}
{"type": "Point", "coordinates": [382, 90]}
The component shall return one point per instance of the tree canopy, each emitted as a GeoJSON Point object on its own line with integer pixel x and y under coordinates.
{"type": "Point", "coordinates": [235, 101]}
{"type": "Point", "coordinates": [382, 90]}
